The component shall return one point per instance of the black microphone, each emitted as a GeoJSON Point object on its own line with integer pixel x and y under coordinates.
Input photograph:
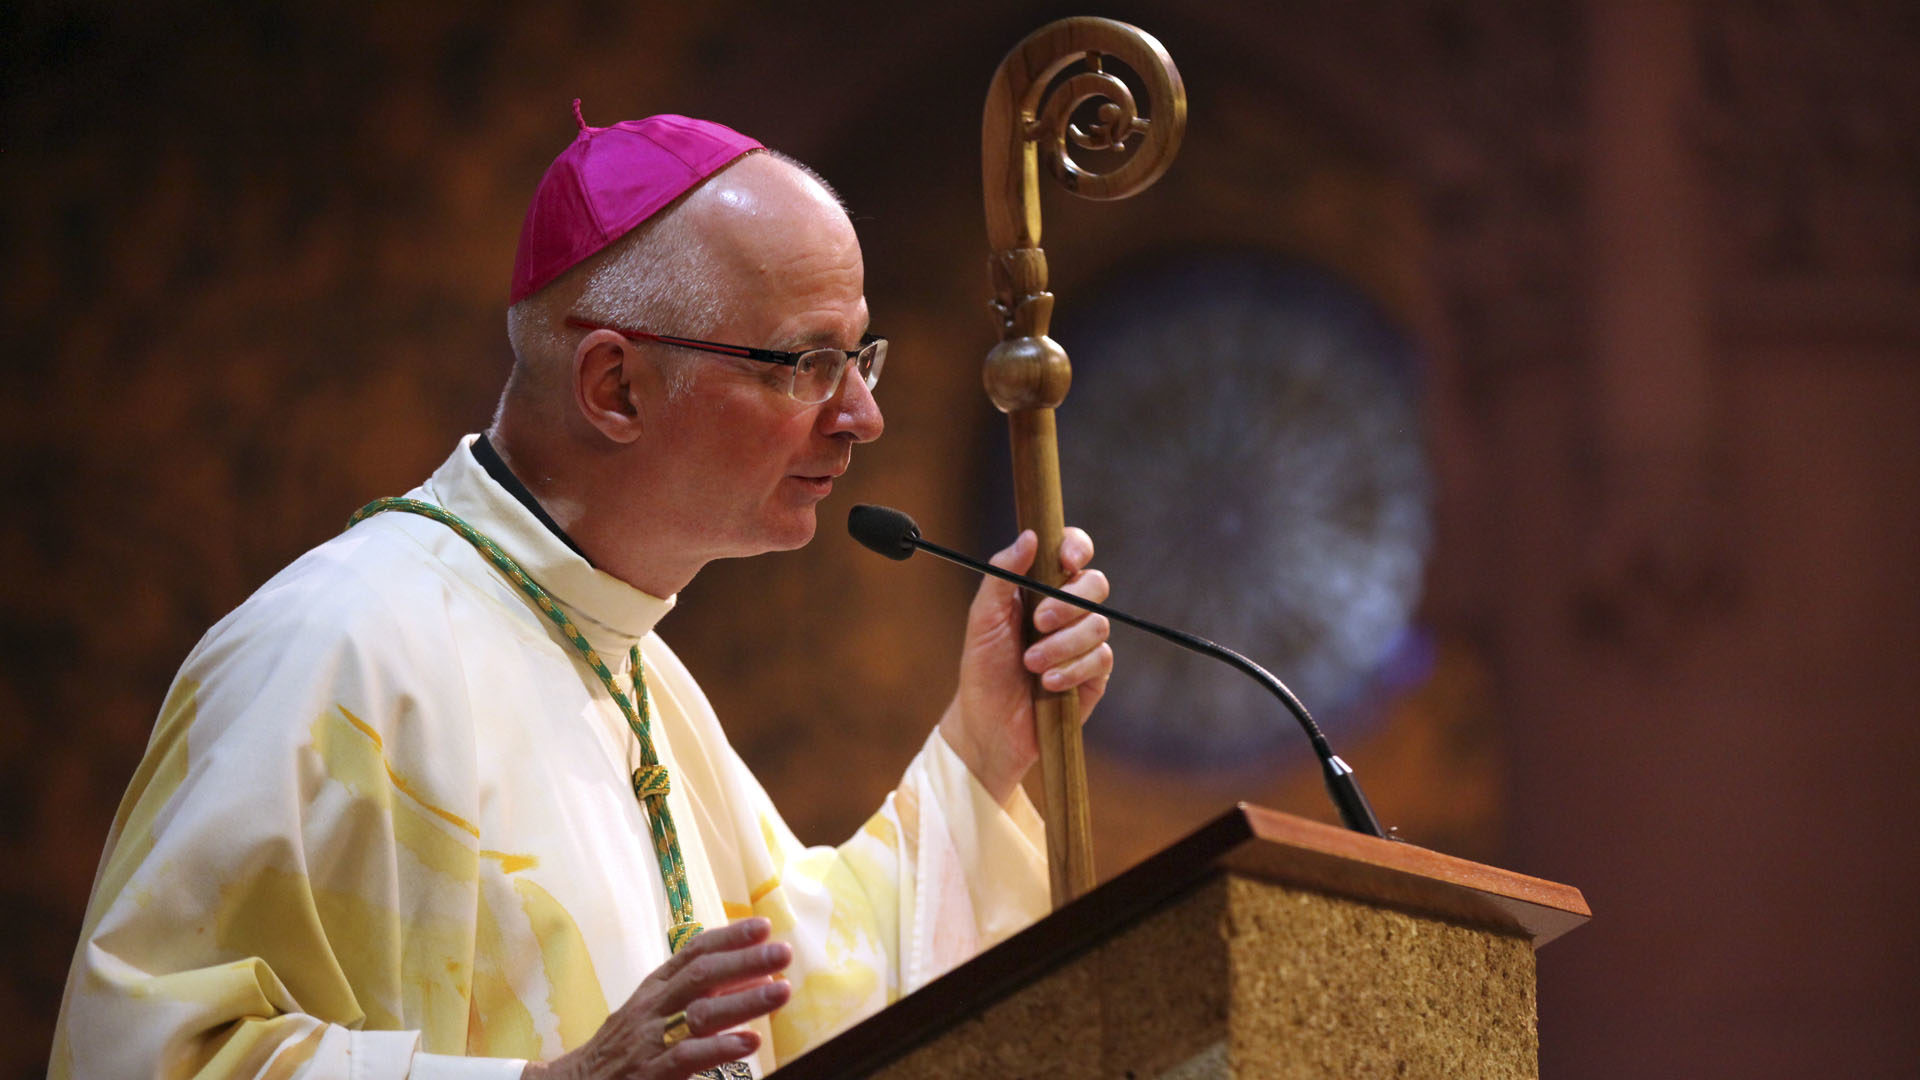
{"type": "Point", "coordinates": [893, 534]}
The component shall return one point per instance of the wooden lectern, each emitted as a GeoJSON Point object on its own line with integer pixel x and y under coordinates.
{"type": "Point", "coordinates": [1261, 945]}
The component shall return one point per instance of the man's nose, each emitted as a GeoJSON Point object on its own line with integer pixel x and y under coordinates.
{"type": "Point", "coordinates": [852, 410]}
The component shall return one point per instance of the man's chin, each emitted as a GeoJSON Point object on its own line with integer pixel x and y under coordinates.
{"type": "Point", "coordinates": [794, 530]}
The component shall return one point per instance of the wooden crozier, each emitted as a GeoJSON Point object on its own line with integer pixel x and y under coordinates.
{"type": "Point", "coordinates": [1027, 373]}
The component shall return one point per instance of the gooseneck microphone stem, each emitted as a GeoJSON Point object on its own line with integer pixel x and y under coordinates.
{"type": "Point", "coordinates": [897, 538]}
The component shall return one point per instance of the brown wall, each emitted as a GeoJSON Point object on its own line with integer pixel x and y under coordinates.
{"type": "Point", "coordinates": [1664, 259]}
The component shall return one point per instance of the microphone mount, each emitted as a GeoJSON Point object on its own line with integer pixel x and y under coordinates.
{"type": "Point", "coordinates": [894, 534]}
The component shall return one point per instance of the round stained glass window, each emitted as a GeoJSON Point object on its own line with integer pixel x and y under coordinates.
{"type": "Point", "coordinates": [1243, 440]}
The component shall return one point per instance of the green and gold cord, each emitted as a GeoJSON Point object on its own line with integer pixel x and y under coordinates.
{"type": "Point", "coordinates": [650, 781]}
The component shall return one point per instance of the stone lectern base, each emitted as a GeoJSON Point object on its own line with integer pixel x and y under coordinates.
{"type": "Point", "coordinates": [1242, 978]}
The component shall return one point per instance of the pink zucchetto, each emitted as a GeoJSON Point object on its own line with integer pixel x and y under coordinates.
{"type": "Point", "coordinates": [608, 181]}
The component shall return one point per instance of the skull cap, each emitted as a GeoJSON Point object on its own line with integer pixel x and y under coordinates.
{"type": "Point", "coordinates": [608, 181]}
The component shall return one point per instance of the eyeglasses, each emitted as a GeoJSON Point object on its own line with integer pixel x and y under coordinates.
{"type": "Point", "coordinates": [816, 372]}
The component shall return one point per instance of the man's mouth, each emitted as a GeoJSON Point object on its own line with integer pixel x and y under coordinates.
{"type": "Point", "coordinates": [820, 483]}
{"type": "Point", "coordinates": [826, 475]}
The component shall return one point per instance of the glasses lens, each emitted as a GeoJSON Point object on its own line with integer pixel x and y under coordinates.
{"type": "Point", "coordinates": [871, 359]}
{"type": "Point", "coordinates": [816, 375]}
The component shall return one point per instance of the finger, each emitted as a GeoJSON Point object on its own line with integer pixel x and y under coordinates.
{"type": "Point", "coordinates": [1091, 691]}
{"type": "Point", "coordinates": [691, 1055]}
{"type": "Point", "coordinates": [995, 595]}
{"type": "Point", "coordinates": [1076, 550]}
{"type": "Point", "coordinates": [734, 935]}
{"type": "Point", "coordinates": [705, 974]}
{"type": "Point", "coordinates": [1051, 614]}
{"type": "Point", "coordinates": [1065, 646]}
{"type": "Point", "coordinates": [1088, 585]}
{"type": "Point", "coordinates": [1017, 556]}
{"type": "Point", "coordinates": [1091, 669]}
{"type": "Point", "coordinates": [741, 984]}
{"type": "Point", "coordinates": [715, 1014]}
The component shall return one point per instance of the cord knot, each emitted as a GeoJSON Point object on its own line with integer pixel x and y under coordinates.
{"type": "Point", "coordinates": [651, 780]}
{"type": "Point", "coordinates": [680, 933]}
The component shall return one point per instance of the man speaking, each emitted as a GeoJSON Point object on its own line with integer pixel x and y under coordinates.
{"type": "Point", "coordinates": [436, 801]}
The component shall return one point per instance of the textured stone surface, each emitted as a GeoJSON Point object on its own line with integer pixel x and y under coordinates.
{"type": "Point", "coordinates": [1327, 987]}
{"type": "Point", "coordinates": [1247, 979]}
{"type": "Point", "coordinates": [1141, 1004]}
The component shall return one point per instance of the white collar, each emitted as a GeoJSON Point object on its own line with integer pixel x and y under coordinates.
{"type": "Point", "coordinates": [462, 486]}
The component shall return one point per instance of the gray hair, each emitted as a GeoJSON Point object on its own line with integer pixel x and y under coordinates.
{"type": "Point", "coordinates": [660, 276]}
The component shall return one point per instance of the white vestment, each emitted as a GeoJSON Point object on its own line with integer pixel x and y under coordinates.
{"type": "Point", "coordinates": [385, 827]}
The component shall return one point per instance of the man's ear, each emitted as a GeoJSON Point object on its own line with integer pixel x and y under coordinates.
{"type": "Point", "coordinates": [610, 383]}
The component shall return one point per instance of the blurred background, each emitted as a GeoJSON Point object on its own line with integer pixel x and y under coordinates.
{"type": "Point", "coordinates": [1533, 385]}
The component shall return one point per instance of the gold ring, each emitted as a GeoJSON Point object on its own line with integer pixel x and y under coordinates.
{"type": "Point", "coordinates": [676, 1029]}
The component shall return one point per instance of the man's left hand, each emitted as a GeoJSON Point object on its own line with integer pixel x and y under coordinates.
{"type": "Point", "coordinates": [990, 720]}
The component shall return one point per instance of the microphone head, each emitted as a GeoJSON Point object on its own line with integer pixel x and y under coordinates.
{"type": "Point", "coordinates": [885, 530]}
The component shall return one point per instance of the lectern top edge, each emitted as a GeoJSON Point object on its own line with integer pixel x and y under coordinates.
{"type": "Point", "coordinates": [1283, 848]}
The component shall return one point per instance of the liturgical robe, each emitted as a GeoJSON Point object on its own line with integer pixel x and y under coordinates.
{"type": "Point", "coordinates": [385, 828]}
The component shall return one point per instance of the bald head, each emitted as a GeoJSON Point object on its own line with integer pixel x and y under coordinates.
{"type": "Point", "coordinates": [760, 206]}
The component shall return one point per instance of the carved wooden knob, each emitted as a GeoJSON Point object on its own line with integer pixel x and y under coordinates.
{"type": "Point", "coordinates": [1027, 373]}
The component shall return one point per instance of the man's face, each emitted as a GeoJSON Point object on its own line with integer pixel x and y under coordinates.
{"type": "Point", "coordinates": [750, 464]}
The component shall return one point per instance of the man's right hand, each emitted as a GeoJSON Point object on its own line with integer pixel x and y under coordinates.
{"type": "Point", "coordinates": [723, 978]}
